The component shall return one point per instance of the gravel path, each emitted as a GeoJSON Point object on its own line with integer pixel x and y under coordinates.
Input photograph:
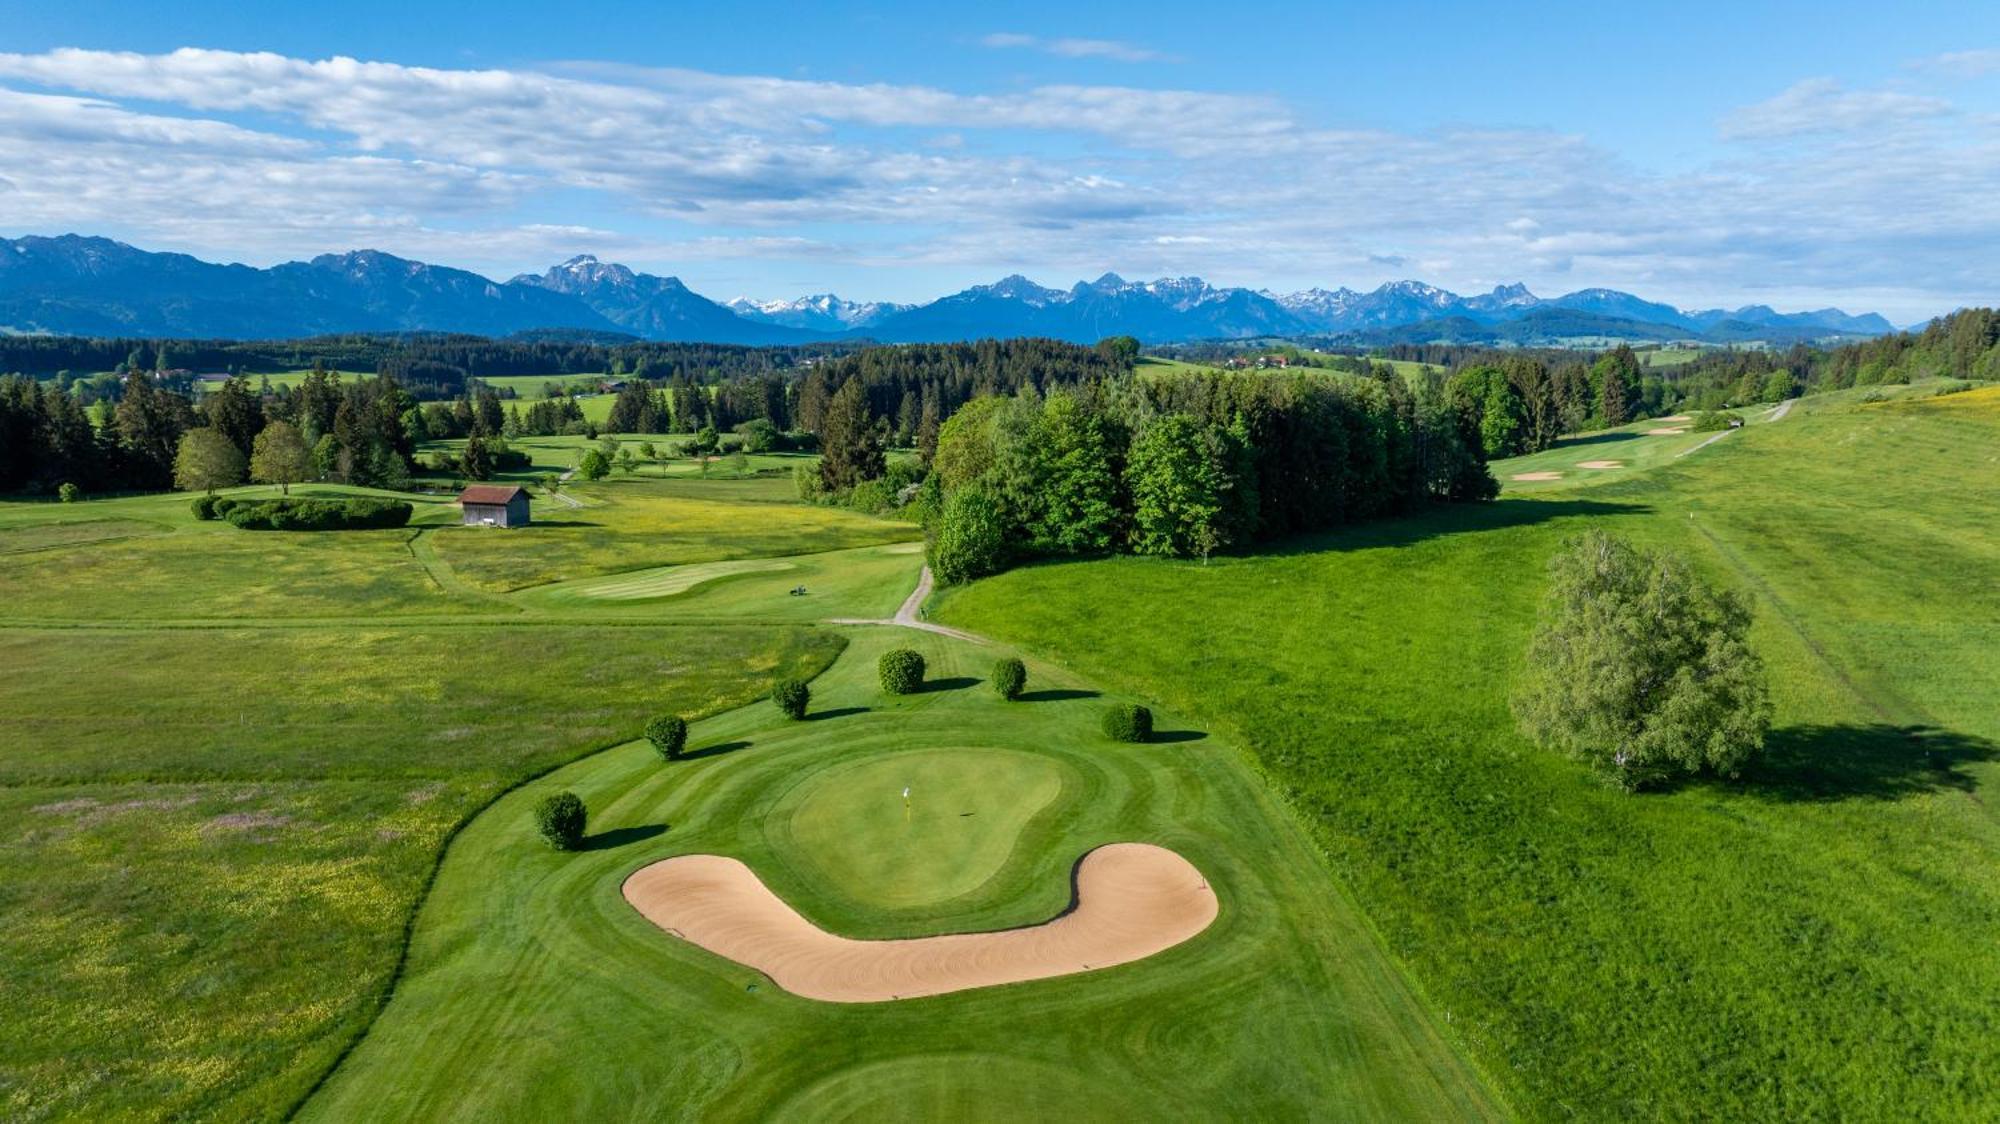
{"type": "Point", "coordinates": [910, 615]}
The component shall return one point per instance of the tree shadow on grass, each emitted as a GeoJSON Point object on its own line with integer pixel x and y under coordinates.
{"type": "Point", "coordinates": [837, 712]}
{"type": "Point", "coordinates": [1168, 737]}
{"type": "Point", "coordinates": [1595, 439]}
{"type": "Point", "coordinates": [1056, 694]}
{"type": "Point", "coordinates": [716, 750]}
{"type": "Point", "coordinates": [955, 683]}
{"type": "Point", "coordinates": [620, 836]}
{"type": "Point", "coordinates": [1875, 761]}
{"type": "Point", "coordinates": [562, 523]}
{"type": "Point", "coordinates": [1440, 519]}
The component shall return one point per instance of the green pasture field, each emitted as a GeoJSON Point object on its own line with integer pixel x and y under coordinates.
{"type": "Point", "coordinates": [561, 453]}
{"type": "Point", "coordinates": [1653, 358]}
{"type": "Point", "coordinates": [232, 758]}
{"type": "Point", "coordinates": [637, 524]}
{"type": "Point", "coordinates": [1812, 941]}
{"type": "Point", "coordinates": [522, 956]}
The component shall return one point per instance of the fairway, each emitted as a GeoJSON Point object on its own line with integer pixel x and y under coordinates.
{"type": "Point", "coordinates": [1789, 924]}
{"type": "Point", "coordinates": [1283, 1003]}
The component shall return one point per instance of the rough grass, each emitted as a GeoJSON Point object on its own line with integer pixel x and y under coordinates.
{"type": "Point", "coordinates": [631, 525]}
{"type": "Point", "coordinates": [227, 770]}
{"type": "Point", "coordinates": [1811, 942]}
{"type": "Point", "coordinates": [535, 992]}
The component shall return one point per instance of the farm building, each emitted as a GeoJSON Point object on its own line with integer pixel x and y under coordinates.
{"type": "Point", "coordinates": [495, 505]}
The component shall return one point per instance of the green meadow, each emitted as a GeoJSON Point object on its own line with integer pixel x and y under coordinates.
{"type": "Point", "coordinates": [266, 806]}
{"type": "Point", "coordinates": [1810, 942]}
{"type": "Point", "coordinates": [1285, 1006]}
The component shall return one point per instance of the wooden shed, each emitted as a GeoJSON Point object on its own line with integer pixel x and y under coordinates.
{"type": "Point", "coordinates": [494, 505]}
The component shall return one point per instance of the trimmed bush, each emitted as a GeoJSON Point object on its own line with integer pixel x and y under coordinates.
{"type": "Point", "coordinates": [669, 735]}
{"type": "Point", "coordinates": [301, 514]}
{"type": "Point", "coordinates": [902, 671]}
{"type": "Point", "coordinates": [1127, 722]}
{"type": "Point", "coordinates": [560, 818]}
{"type": "Point", "coordinates": [1010, 676]}
{"type": "Point", "coordinates": [204, 506]}
{"type": "Point", "coordinates": [69, 493]}
{"type": "Point", "coordinates": [792, 697]}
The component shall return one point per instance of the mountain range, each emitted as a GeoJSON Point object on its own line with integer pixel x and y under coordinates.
{"type": "Point", "coordinates": [77, 285]}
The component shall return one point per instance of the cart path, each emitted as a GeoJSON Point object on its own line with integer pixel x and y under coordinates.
{"type": "Point", "coordinates": [910, 614]}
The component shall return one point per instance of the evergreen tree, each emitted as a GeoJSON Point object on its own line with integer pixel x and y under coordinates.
{"type": "Point", "coordinates": [850, 443]}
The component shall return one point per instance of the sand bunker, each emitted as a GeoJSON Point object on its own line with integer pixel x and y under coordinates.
{"type": "Point", "coordinates": [1667, 432]}
{"type": "Point", "coordinates": [1538, 476]}
{"type": "Point", "coordinates": [1676, 418]}
{"type": "Point", "coordinates": [1600, 464]}
{"type": "Point", "coordinates": [1131, 901]}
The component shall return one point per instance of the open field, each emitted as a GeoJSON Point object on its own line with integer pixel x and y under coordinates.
{"type": "Point", "coordinates": [1605, 456]}
{"type": "Point", "coordinates": [231, 760]}
{"type": "Point", "coordinates": [1771, 949]}
{"type": "Point", "coordinates": [1282, 1006]}
{"type": "Point", "coordinates": [258, 783]}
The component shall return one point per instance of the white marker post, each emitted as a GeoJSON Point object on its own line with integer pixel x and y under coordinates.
{"type": "Point", "coordinates": [906, 803]}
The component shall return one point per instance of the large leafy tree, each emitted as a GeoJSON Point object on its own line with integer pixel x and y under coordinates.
{"type": "Point", "coordinates": [1180, 481]}
{"type": "Point", "coordinates": [1079, 512]}
{"type": "Point", "coordinates": [1640, 668]}
{"type": "Point", "coordinates": [970, 539]}
{"type": "Point", "coordinates": [280, 456]}
{"type": "Point", "coordinates": [206, 460]}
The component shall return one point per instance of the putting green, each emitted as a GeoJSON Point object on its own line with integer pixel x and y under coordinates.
{"type": "Point", "coordinates": [967, 810]}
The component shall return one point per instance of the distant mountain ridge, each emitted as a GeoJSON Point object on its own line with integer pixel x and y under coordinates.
{"type": "Point", "coordinates": [78, 285]}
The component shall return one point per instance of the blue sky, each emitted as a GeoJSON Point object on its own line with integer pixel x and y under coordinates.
{"type": "Point", "coordinates": [1795, 154]}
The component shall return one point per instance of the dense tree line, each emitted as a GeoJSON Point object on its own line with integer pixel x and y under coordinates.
{"type": "Point", "coordinates": [360, 431]}
{"type": "Point", "coordinates": [429, 365]}
{"type": "Point", "coordinates": [1189, 464]}
{"type": "Point", "coordinates": [914, 387]}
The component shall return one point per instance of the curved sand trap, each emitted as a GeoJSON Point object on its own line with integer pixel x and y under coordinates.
{"type": "Point", "coordinates": [1130, 901]}
{"type": "Point", "coordinates": [1676, 418]}
{"type": "Point", "coordinates": [1669, 431]}
{"type": "Point", "coordinates": [1600, 464]}
{"type": "Point", "coordinates": [1538, 476]}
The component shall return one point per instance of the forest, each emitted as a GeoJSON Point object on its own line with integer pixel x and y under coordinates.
{"type": "Point", "coordinates": [118, 429]}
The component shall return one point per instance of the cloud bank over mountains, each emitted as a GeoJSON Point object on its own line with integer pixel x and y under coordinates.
{"type": "Point", "coordinates": [1886, 197]}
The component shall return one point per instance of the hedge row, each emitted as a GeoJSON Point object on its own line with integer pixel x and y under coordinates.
{"type": "Point", "coordinates": [300, 514]}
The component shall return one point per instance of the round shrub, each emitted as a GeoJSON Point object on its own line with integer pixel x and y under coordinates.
{"type": "Point", "coordinates": [204, 506]}
{"type": "Point", "coordinates": [1009, 677]}
{"type": "Point", "coordinates": [669, 735]}
{"type": "Point", "coordinates": [69, 493]}
{"type": "Point", "coordinates": [792, 697]}
{"type": "Point", "coordinates": [560, 817]}
{"type": "Point", "coordinates": [1128, 722]}
{"type": "Point", "coordinates": [902, 671]}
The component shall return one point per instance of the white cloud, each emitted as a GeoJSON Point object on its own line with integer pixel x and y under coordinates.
{"type": "Point", "coordinates": [1820, 105]}
{"type": "Point", "coordinates": [275, 156]}
{"type": "Point", "coordinates": [1073, 48]}
{"type": "Point", "coordinates": [1963, 64]}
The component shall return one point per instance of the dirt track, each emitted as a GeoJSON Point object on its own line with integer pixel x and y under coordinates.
{"type": "Point", "coordinates": [1132, 900]}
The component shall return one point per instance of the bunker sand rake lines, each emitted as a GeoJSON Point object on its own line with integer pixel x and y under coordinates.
{"type": "Point", "coordinates": [1132, 900]}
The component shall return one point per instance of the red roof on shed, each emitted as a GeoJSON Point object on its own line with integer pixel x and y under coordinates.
{"type": "Point", "coordinates": [492, 493]}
